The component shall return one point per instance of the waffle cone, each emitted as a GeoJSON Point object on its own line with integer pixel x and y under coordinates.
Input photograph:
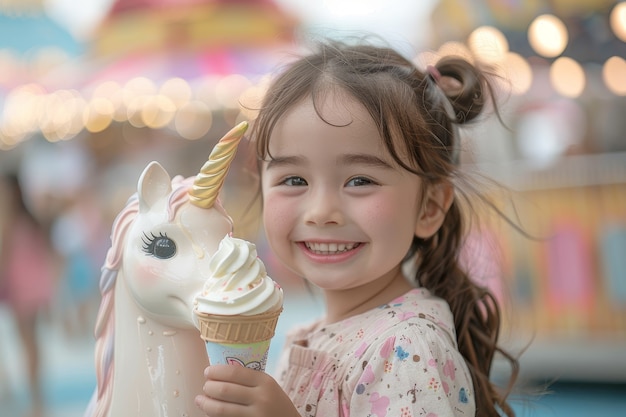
{"type": "Point", "coordinates": [238, 329]}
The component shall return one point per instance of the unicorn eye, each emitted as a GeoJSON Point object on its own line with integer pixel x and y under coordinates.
{"type": "Point", "coordinates": [161, 247]}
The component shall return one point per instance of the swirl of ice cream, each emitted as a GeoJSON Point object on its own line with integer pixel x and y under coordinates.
{"type": "Point", "coordinates": [239, 283]}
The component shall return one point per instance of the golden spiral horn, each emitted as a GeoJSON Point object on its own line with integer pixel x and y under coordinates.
{"type": "Point", "coordinates": [210, 179]}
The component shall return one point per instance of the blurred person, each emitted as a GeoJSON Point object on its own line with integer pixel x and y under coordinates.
{"type": "Point", "coordinates": [78, 235]}
{"type": "Point", "coordinates": [27, 275]}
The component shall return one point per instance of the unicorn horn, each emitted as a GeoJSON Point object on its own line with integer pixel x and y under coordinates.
{"type": "Point", "coordinates": [209, 181]}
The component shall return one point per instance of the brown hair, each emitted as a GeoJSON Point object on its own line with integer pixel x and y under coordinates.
{"type": "Point", "coordinates": [412, 109]}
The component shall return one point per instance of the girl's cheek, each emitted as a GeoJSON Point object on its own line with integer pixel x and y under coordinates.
{"type": "Point", "coordinates": [393, 218]}
{"type": "Point", "coordinates": [276, 211]}
{"type": "Point", "coordinates": [383, 209]}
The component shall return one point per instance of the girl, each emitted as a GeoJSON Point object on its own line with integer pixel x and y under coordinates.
{"type": "Point", "coordinates": [359, 160]}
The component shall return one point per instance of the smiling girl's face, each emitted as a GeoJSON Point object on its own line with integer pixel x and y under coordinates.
{"type": "Point", "coordinates": [338, 210]}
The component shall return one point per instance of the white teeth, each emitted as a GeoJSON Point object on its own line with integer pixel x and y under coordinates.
{"type": "Point", "coordinates": [329, 248]}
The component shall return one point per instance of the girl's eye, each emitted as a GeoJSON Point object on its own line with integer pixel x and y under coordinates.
{"type": "Point", "coordinates": [359, 182]}
{"type": "Point", "coordinates": [295, 181]}
{"type": "Point", "coordinates": [161, 247]}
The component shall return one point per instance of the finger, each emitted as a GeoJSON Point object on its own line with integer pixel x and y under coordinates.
{"type": "Point", "coordinates": [234, 374]}
{"type": "Point", "coordinates": [227, 392]}
{"type": "Point", "coordinates": [215, 408]}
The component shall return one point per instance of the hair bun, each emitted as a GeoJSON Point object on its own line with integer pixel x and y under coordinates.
{"type": "Point", "coordinates": [463, 84]}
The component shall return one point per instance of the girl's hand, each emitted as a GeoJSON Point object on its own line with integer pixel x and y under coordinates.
{"type": "Point", "coordinates": [235, 391]}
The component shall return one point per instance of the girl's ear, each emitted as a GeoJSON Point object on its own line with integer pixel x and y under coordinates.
{"type": "Point", "coordinates": [438, 200]}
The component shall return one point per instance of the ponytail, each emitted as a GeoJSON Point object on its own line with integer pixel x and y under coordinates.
{"type": "Point", "coordinates": [477, 317]}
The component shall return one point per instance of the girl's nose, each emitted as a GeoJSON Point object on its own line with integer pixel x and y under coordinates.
{"type": "Point", "coordinates": [323, 208]}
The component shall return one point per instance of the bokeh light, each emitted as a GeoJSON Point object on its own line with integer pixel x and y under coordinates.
{"type": "Point", "coordinates": [488, 44]}
{"type": "Point", "coordinates": [614, 75]}
{"type": "Point", "coordinates": [158, 111]}
{"type": "Point", "coordinates": [618, 20]}
{"type": "Point", "coordinates": [178, 91]}
{"type": "Point", "coordinates": [455, 48]}
{"type": "Point", "coordinates": [230, 88]}
{"type": "Point", "coordinates": [517, 72]}
{"type": "Point", "coordinates": [98, 114]}
{"type": "Point", "coordinates": [193, 120]}
{"type": "Point", "coordinates": [548, 36]}
{"type": "Point", "coordinates": [567, 77]}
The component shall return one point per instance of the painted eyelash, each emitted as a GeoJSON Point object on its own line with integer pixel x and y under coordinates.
{"type": "Point", "coordinates": [148, 241]}
{"type": "Point", "coordinates": [151, 246]}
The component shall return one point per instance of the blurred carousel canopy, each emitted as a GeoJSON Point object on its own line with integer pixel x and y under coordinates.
{"type": "Point", "coordinates": [192, 25]}
{"type": "Point", "coordinates": [157, 64]}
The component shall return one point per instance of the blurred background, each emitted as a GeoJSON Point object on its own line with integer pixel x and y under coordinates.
{"type": "Point", "coordinates": [92, 91]}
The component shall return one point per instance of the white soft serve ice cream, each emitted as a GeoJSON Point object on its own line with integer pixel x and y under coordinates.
{"type": "Point", "coordinates": [238, 282]}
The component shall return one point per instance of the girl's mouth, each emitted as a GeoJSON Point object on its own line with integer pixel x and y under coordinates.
{"type": "Point", "coordinates": [330, 248]}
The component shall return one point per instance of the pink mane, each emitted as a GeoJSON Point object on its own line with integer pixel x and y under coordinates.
{"type": "Point", "coordinates": [105, 320]}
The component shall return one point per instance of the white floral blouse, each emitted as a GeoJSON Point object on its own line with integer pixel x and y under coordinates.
{"type": "Point", "coordinates": [398, 360]}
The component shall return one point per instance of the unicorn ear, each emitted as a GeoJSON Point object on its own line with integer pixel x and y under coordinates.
{"type": "Point", "coordinates": [154, 184]}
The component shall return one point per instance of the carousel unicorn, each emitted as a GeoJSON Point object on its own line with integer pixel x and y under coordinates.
{"type": "Point", "coordinates": [149, 355]}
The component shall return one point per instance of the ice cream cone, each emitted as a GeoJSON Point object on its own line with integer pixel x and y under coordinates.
{"type": "Point", "coordinates": [238, 339]}
{"type": "Point", "coordinates": [238, 329]}
{"type": "Point", "coordinates": [238, 307]}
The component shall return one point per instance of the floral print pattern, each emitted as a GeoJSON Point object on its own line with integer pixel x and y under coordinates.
{"type": "Point", "coordinates": [399, 359]}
